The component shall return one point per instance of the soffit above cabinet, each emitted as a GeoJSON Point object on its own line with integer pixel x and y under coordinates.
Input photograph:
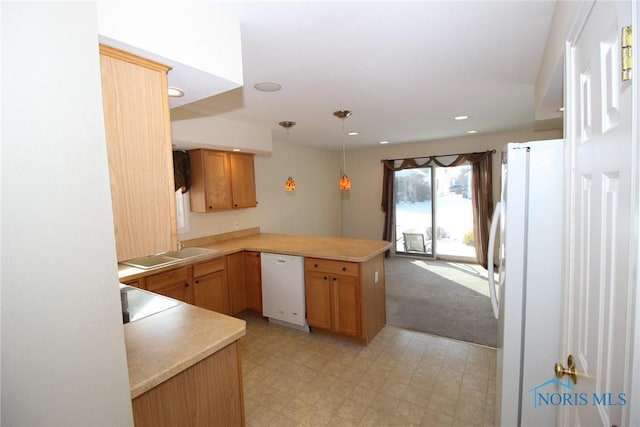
{"type": "Point", "coordinates": [202, 47]}
{"type": "Point", "coordinates": [221, 134]}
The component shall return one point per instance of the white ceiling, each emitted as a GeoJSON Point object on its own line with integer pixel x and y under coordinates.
{"type": "Point", "coordinates": [405, 69]}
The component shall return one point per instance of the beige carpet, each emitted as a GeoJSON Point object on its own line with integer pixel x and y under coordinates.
{"type": "Point", "coordinates": [441, 298]}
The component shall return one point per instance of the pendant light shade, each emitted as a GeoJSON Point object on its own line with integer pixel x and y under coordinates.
{"type": "Point", "coordinates": [345, 181]}
{"type": "Point", "coordinates": [290, 184]}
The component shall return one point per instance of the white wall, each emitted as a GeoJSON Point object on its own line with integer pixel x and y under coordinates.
{"type": "Point", "coordinates": [362, 216]}
{"type": "Point", "coordinates": [63, 353]}
{"type": "Point", "coordinates": [313, 209]}
{"type": "Point", "coordinates": [549, 81]}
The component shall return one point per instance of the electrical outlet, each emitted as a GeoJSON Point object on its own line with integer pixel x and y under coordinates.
{"type": "Point", "coordinates": [236, 225]}
{"type": "Point", "coordinates": [375, 277]}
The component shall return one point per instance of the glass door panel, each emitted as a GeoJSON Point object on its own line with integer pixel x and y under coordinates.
{"type": "Point", "coordinates": [413, 211]}
{"type": "Point", "coordinates": [454, 212]}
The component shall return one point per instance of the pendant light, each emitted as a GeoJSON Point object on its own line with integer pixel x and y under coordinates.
{"type": "Point", "coordinates": [345, 181]}
{"type": "Point", "coordinates": [290, 184]}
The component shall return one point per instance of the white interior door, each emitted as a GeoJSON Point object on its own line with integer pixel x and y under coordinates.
{"type": "Point", "coordinates": [602, 239]}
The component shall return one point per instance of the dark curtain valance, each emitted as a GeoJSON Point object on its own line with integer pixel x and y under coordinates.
{"type": "Point", "coordinates": [481, 189]}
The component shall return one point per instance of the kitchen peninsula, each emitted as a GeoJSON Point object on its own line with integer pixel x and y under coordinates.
{"type": "Point", "coordinates": [344, 278]}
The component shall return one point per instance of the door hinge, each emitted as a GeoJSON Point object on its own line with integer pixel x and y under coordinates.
{"type": "Point", "coordinates": [627, 61]}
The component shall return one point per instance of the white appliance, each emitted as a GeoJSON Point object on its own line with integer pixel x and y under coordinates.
{"type": "Point", "coordinates": [528, 296]}
{"type": "Point", "coordinates": [283, 296]}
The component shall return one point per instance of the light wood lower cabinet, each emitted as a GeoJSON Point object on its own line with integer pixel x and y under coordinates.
{"type": "Point", "coordinates": [333, 300]}
{"type": "Point", "coordinates": [237, 282]}
{"type": "Point", "coordinates": [346, 298]}
{"type": "Point", "coordinates": [253, 280]}
{"type": "Point", "coordinates": [245, 282]}
{"type": "Point", "coordinates": [211, 290]}
{"type": "Point", "coordinates": [208, 393]}
{"type": "Point", "coordinates": [174, 284]}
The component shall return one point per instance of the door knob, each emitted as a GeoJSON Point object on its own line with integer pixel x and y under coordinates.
{"type": "Point", "coordinates": [570, 370]}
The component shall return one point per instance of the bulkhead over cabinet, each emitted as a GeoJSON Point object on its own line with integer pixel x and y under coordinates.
{"type": "Point", "coordinates": [138, 133]}
{"type": "Point", "coordinates": [221, 180]}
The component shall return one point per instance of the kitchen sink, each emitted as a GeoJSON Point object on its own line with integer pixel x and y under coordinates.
{"type": "Point", "coordinates": [189, 253]}
{"type": "Point", "coordinates": [167, 258]}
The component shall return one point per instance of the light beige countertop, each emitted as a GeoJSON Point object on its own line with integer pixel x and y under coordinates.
{"type": "Point", "coordinates": [335, 248]}
{"type": "Point", "coordinates": [166, 343]}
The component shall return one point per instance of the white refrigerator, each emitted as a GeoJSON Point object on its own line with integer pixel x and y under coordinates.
{"type": "Point", "coordinates": [528, 227]}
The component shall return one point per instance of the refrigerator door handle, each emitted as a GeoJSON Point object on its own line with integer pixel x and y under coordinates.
{"type": "Point", "coordinates": [491, 250]}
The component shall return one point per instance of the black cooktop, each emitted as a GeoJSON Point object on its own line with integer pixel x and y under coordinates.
{"type": "Point", "coordinates": [137, 304]}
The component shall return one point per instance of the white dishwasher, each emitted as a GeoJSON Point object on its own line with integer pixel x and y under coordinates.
{"type": "Point", "coordinates": [283, 299]}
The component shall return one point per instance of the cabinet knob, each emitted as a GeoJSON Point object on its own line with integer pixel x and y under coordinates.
{"type": "Point", "coordinates": [197, 281]}
{"type": "Point", "coordinates": [210, 207]}
{"type": "Point", "coordinates": [335, 278]}
{"type": "Point", "coordinates": [325, 278]}
{"type": "Point", "coordinates": [315, 265]}
{"type": "Point", "coordinates": [186, 285]}
{"type": "Point", "coordinates": [344, 268]}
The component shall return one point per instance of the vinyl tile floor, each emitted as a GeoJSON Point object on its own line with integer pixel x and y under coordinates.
{"type": "Point", "coordinates": [294, 378]}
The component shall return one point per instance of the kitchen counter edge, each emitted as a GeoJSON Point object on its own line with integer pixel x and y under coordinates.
{"type": "Point", "coordinates": [164, 344]}
{"type": "Point", "coordinates": [333, 248]}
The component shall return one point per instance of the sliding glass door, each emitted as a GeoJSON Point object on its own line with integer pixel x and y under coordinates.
{"type": "Point", "coordinates": [434, 198]}
{"type": "Point", "coordinates": [414, 210]}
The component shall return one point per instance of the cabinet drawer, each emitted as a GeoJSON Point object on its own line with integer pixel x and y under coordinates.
{"type": "Point", "coordinates": [209, 267]}
{"type": "Point", "coordinates": [331, 266]}
{"type": "Point", "coordinates": [168, 278]}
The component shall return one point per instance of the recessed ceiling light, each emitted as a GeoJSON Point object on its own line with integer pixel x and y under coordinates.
{"type": "Point", "coordinates": [268, 86]}
{"type": "Point", "coordinates": [460, 117]}
{"type": "Point", "coordinates": [561, 110]}
{"type": "Point", "coordinates": [353, 133]}
{"type": "Point", "coordinates": [175, 92]}
{"type": "Point", "coordinates": [384, 142]}
{"type": "Point", "coordinates": [472, 131]}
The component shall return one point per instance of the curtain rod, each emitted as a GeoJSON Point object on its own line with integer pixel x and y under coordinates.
{"type": "Point", "coordinates": [440, 155]}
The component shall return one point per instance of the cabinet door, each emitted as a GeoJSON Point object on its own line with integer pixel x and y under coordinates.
{"type": "Point", "coordinates": [174, 284]}
{"type": "Point", "coordinates": [236, 278]}
{"type": "Point", "coordinates": [210, 181]}
{"type": "Point", "coordinates": [138, 134]}
{"type": "Point", "coordinates": [243, 182]}
{"type": "Point", "coordinates": [217, 175]}
{"type": "Point", "coordinates": [253, 280]}
{"type": "Point", "coordinates": [346, 305]}
{"type": "Point", "coordinates": [211, 292]}
{"type": "Point", "coordinates": [318, 299]}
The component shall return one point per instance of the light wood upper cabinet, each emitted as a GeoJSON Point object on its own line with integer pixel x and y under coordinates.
{"type": "Point", "coordinates": [138, 133]}
{"type": "Point", "coordinates": [221, 180]}
{"type": "Point", "coordinates": [243, 181]}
